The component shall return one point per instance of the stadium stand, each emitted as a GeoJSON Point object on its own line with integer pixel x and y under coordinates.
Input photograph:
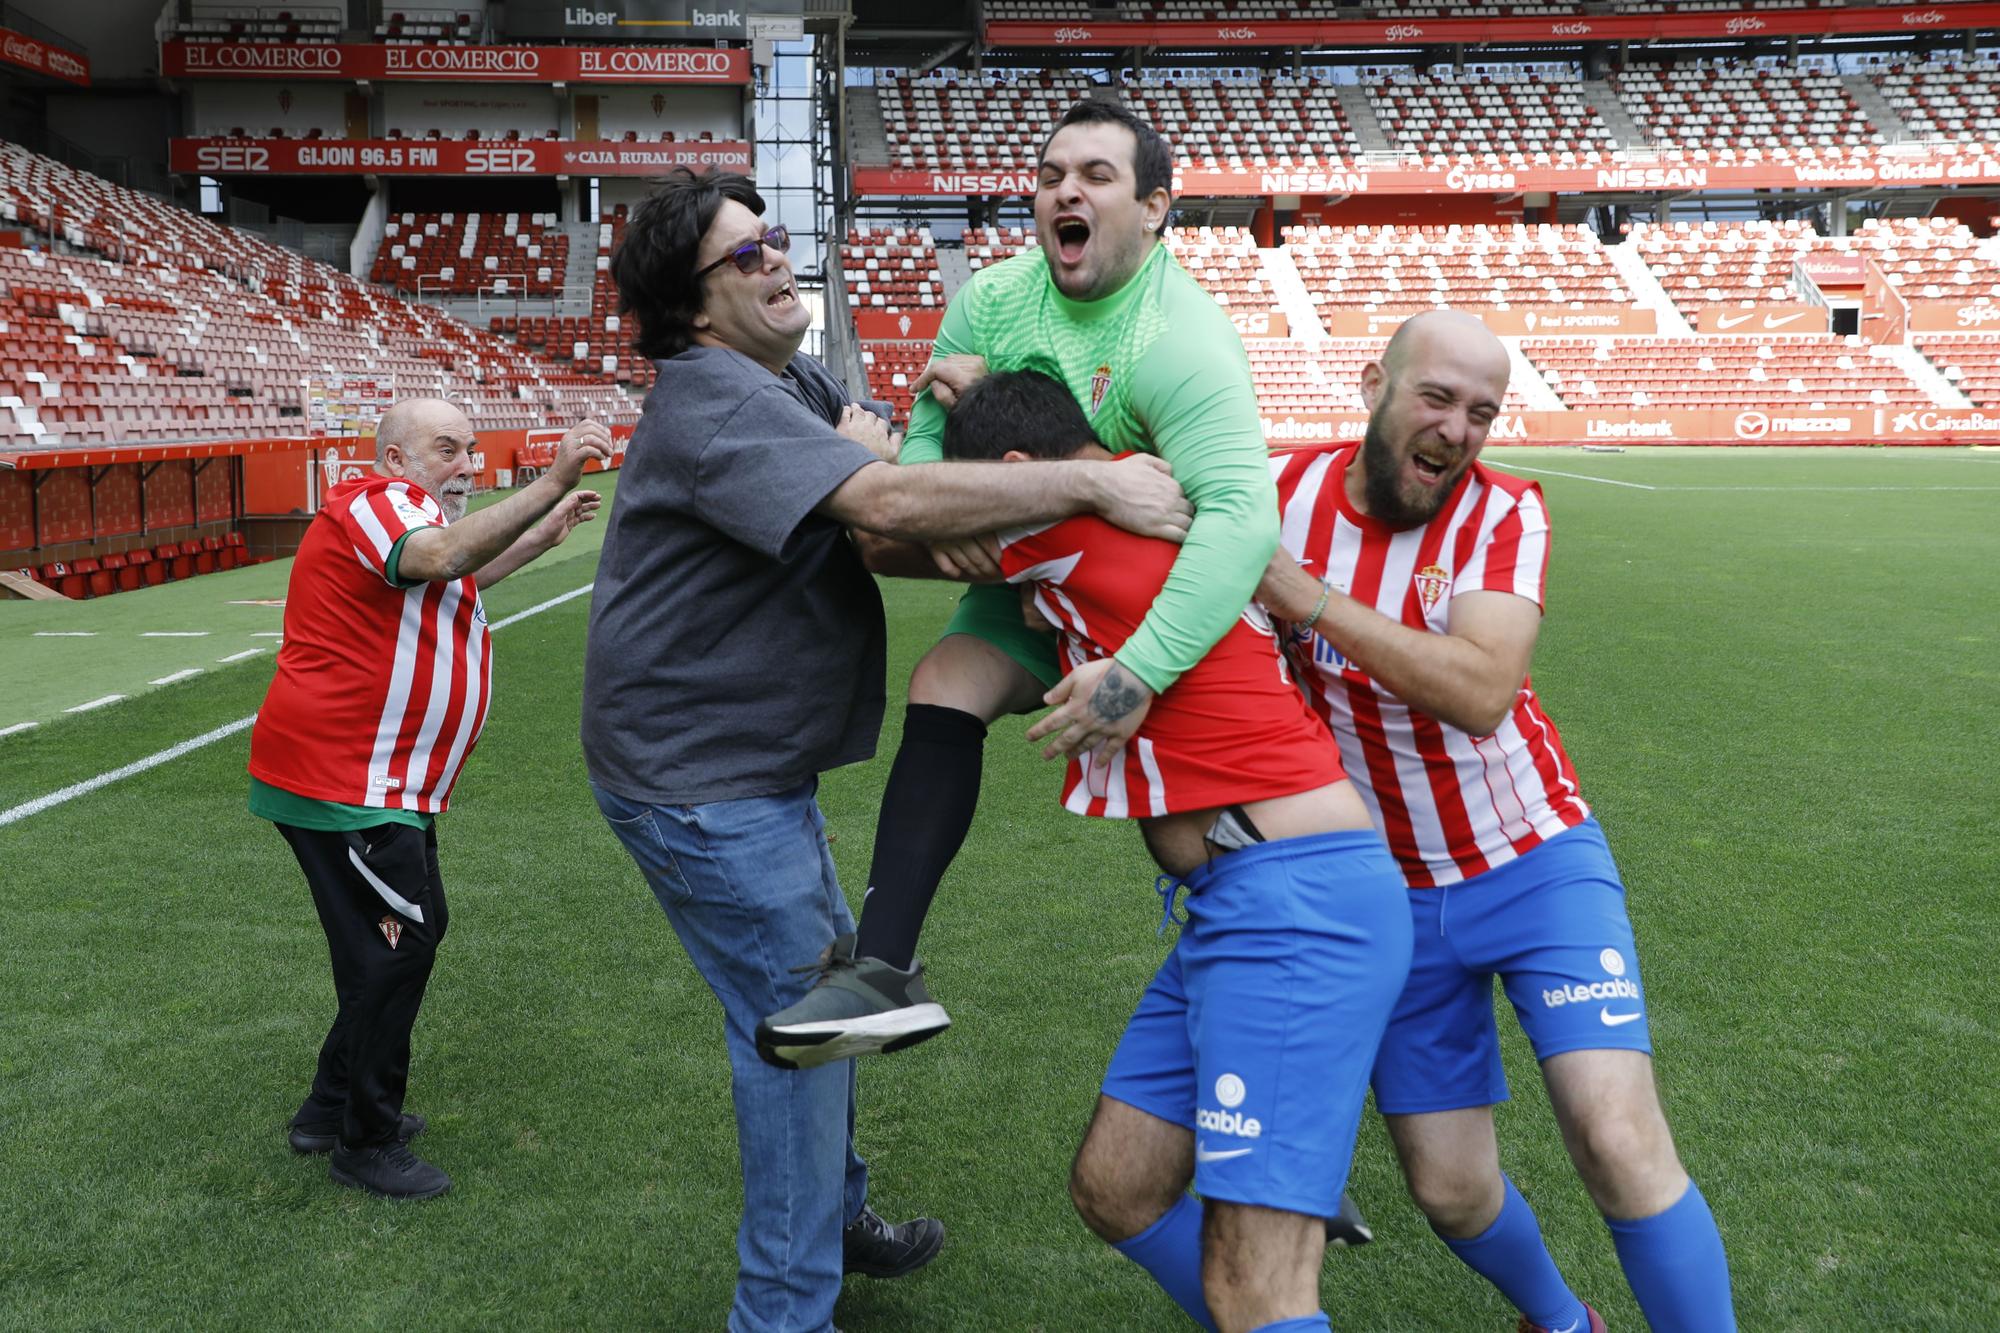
{"type": "Point", "coordinates": [594, 344]}
{"type": "Point", "coordinates": [892, 269]}
{"type": "Point", "coordinates": [1970, 362]}
{"type": "Point", "coordinates": [1511, 111]}
{"type": "Point", "coordinates": [1741, 106]}
{"type": "Point", "coordinates": [1807, 372]}
{"type": "Point", "coordinates": [154, 324]}
{"type": "Point", "coordinates": [1714, 263]}
{"type": "Point", "coordinates": [463, 253]}
{"type": "Point", "coordinates": [1001, 123]}
{"type": "Point", "coordinates": [892, 366]}
{"type": "Point", "coordinates": [1946, 99]}
{"type": "Point", "coordinates": [307, 23]}
{"type": "Point", "coordinates": [1482, 264]}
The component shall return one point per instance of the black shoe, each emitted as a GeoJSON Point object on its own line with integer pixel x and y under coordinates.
{"type": "Point", "coordinates": [1348, 1226]}
{"type": "Point", "coordinates": [391, 1172]}
{"type": "Point", "coordinates": [310, 1139]}
{"type": "Point", "coordinates": [873, 1248]}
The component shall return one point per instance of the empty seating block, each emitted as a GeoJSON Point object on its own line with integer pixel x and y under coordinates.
{"type": "Point", "coordinates": [1789, 373]}
{"type": "Point", "coordinates": [1497, 265]}
{"type": "Point", "coordinates": [892, 269]}
{"type": "Point", "coordinates": [1970, 361]}
{"type": "Point", "coordinates": [1692, 106]}
{"type": "Point", "coordinates": [1526, 112]}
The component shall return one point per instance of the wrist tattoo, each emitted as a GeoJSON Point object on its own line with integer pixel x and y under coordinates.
{"type": "Point", "coordinates": [1114, 697]}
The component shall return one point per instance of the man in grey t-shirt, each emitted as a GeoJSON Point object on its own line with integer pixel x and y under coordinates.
{"type": "Point", "coordinates": [736, 652]}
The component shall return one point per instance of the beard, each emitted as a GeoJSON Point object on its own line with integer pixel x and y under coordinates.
{"type": "Point", "coordinates": [453, 504]}
{"type": "Point", "coordinates": [1381, 478]}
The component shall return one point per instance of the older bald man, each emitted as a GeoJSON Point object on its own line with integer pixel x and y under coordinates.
{"type": "Point", "coordinates": [381, 689]}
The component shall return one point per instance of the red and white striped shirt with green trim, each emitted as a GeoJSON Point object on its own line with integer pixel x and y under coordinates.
{"type": "Point", "coordinates": [1452, 805]}
{"type": "Point", "coordinates": [381, 689]}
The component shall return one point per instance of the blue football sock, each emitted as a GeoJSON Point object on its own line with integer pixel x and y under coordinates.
{"type": "Point", "coordinates": [1170, 1250]}
{"type": "Point", "coordinates": [1511, 1255]}
{"type": "Point", "coordinates": [1305, 1323]}
{"type": "Point", "coordinates": [1676, 1265]}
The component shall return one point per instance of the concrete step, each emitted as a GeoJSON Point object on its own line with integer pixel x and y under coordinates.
{"type": "Point", "coordinates": [1631, 266]}
{"type": "Point", "coordinates": [1924, 372]}
{"type": "Point", "coordinates": [1289, 290]}
{"type": "Point", "coordinates": [1369, 136]}
{"type": "Point", "coordinates": [1886, 119]}
{"type": "Point", "coordinates": [953, 269]}
{"type": "Point", "coordinates": [867, 141]}
{"type": "Point", "coordinates": [1603, 98]}
{"type": "Point", "coordinates": [1525, 378]}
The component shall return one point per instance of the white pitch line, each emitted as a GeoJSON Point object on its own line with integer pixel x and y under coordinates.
{"type": "Point", "coordinates": [18, 726]}
{"type": "Point", "coordinates": [1574, 476]}
{"type": "Point", "coordinates": [178, 675]}
{"type": "Point", "coordinates": [540, 607]}
{"type": "Point", "coordinates": [1827, 488]}
{"type": "Point", "coordinates": [174, 634]}
{"type": "Point", "coordinates": [95, 703]}
{"type": "Point", "coordinates": [89, 785]}
{"type": "Point", "coordinates": [173, 752]}
{"type": "Point", "coordinates": [65, 633]}
{"type": "Point", "coordinates": [268, 634]}
{"type": "Point", "coordinates": [238, 657]}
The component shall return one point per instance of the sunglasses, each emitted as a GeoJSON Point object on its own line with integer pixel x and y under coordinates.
{"type": "Point", "coordinates": [749, 256]}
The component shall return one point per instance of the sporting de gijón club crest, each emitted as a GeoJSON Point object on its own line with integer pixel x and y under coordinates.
{"type": "Point", "coordinates": [1431, 582]}
{"type": "Point", "coordinates": [1100, 385]}
{"type": "Point", "coordinates": [392, 930]}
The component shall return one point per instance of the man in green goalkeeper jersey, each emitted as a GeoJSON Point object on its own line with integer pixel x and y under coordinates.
{"type": "Point", "coordinates": [1156, 365]}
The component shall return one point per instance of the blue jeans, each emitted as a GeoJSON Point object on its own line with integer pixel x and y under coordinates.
{"type": "Point", "coordinates": [750, 889]}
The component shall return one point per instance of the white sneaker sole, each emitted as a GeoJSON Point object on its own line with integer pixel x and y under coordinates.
{"type": "Point", "coordinates": [809, 1045]}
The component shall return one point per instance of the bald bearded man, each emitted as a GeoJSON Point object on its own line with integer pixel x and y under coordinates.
{"type": "Point", "coordinates": [381, 689]}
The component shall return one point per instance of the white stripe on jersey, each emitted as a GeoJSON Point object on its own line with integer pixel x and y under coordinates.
{"type": "Point", "coordinates": [444, 661]}
{"type": "Point", "coordinates": [364, 514]}
{"type": "Point", "coordinates": [475, 696]}
{"type": "Point", "coordinates": [1154, 783]}
{"type": "Point", "coordinates": [408, 634]}
{"type": "Point", "coordinates": [1117, 801]}
{"type": "Point", "coordinates": [1451, 804]}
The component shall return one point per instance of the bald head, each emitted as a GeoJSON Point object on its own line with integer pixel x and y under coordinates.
{"type": "Point", "coordinates": [1449, 336]}
{"type": "Point", "coordinates": [429, 441]}
{"type": "Point", "coordinates": [1431, 399]}
{"type": "Point", "coordinates": [411, 419]}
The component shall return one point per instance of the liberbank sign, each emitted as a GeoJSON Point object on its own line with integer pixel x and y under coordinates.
{"type": "Point", "coordinates": [656, 20]}
{"type": "Point", "coordinates": [1955, 164]}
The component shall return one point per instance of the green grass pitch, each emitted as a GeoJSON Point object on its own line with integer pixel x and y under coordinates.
{"type": "Point", "coordinates": [1777, 673]}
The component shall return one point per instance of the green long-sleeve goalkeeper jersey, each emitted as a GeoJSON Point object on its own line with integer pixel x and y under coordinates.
{"type": "Point", "coordinates": [1156, 366]}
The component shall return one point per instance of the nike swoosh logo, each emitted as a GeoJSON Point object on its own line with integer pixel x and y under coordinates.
{"type": "Point", "coordinates": [1204, 1155]}
{"type": "Point", "coordinates": [1612, 1020]}
{"type": "Point", "coordinates": [1779, 322]}
{"type": "Point", "coordinates": [1725, 322]}
{"type": "Point", "coordinates": [1571, 1327]}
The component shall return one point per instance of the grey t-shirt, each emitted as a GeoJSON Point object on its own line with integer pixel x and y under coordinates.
{"type": "Point", "coordinates": [736, 640]}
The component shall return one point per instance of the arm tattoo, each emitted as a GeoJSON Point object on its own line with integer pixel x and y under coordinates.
{"type": "Point", "coordinates": [1114, 697]}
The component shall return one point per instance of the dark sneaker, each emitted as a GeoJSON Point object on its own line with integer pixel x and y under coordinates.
{"type": "Point", "coordinates": [857, 1005]}
{"type": "Point", "coordinates": [391, 1171]}
{"type": "Point", "coordinates": [1348, 1226]}
{"type": "Point", "coordinates": [1595, 1325]}
{"type": "Point", "coordinates": [310, 1139]}
{"type": "Point", "coordinates": [873, 1248]}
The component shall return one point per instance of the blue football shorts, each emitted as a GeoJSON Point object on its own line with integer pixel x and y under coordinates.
{"type": "Point", "coordinates": [1551, 924]}
{"type": "Point", "coordinates": [1259, 1030]}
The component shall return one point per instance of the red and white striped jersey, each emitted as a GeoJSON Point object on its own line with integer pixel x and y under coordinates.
{"type": "Point", "coordinates": [381, 691]}
{"type": "Point", "coordinates": [1450, 804]}
{"type": "Point", "coordinates": [1232, 729]}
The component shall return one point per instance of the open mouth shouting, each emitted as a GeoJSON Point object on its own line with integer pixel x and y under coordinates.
{"type": "Point", "coordinates": [1431, 464]}
{"type": "Point", "coordinates": [1072, 238]}
{"type": "Point", "coordinates": [784, 298]}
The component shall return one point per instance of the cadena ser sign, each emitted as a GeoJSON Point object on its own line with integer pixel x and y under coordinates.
{"type": "Point", "coordinates": [445, 157]}
{"type": "Point", "coordinates": [484, 64]}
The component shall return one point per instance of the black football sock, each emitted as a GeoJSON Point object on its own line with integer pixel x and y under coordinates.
{"type": "Point", "coordinates": [926, 809]}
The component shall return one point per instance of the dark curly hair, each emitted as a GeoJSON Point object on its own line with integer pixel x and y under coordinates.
{"type": "Point", "coordinates": [655, 264]}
